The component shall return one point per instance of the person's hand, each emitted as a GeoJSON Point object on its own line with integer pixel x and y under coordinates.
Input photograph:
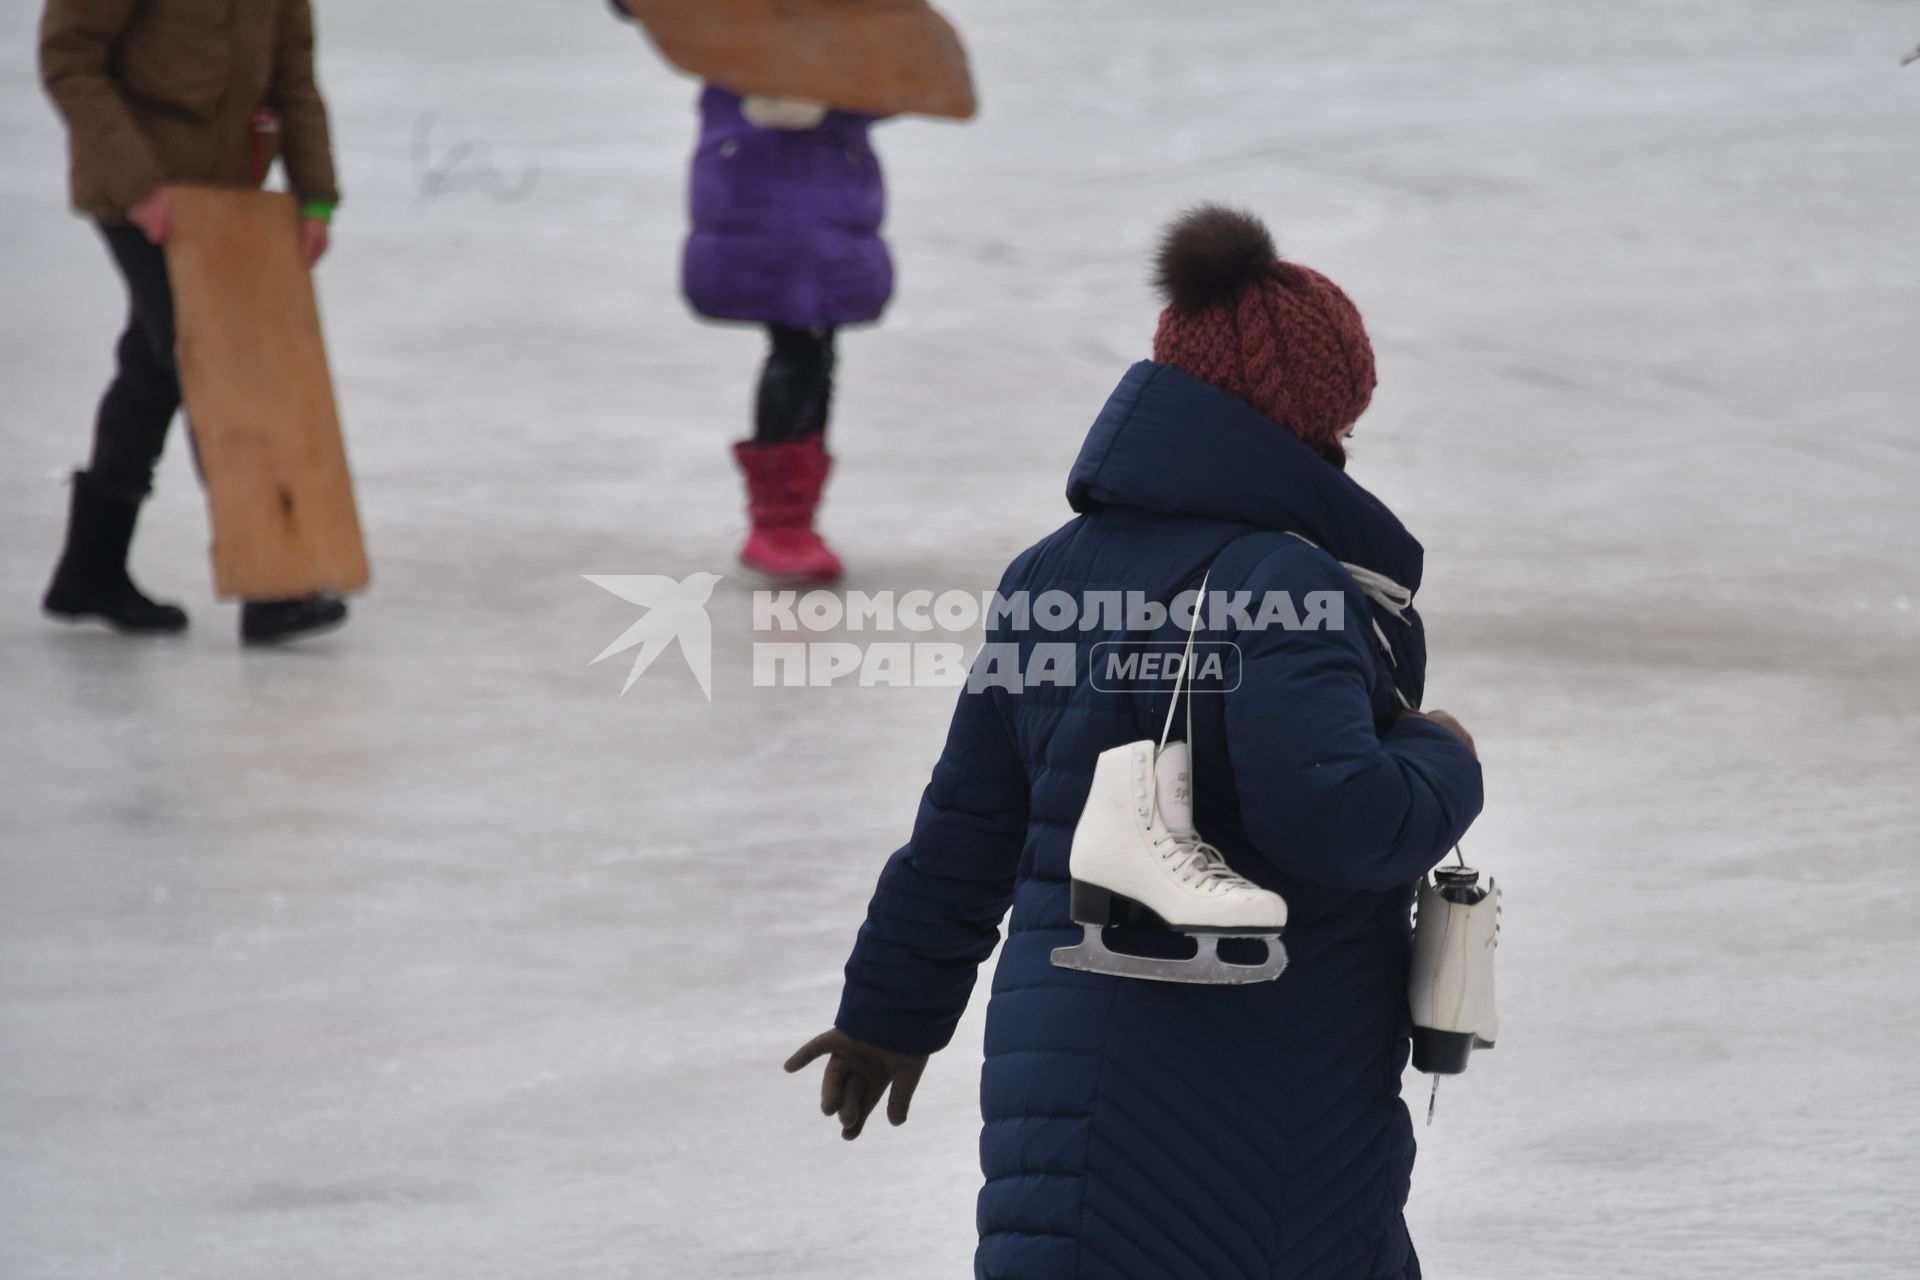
{"type": "Point", "coordinates": [1452, 726]}
{"type": "Point", "coordinates": [857, 1074]}
{"type": "Point", "coordinates": [314, 240]}
{"type": "Point", "coordinates": [153, 214]}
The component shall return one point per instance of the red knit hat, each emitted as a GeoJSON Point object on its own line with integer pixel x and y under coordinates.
{"type": "Point", "coordinates": [1280, 336]}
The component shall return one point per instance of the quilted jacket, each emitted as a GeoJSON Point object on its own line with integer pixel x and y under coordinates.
{"type": "Point", "coordinates": [1152, 1131]}
{"type": "Point", "coordinates": [160, 91]}
{"type": "Point", "coordinates": [786, 222]}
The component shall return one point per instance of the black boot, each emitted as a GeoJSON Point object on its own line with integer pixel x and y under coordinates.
{"type": "Point", "coordinates": [271, 621]}
{"type": "Point", "coordinates": [91, 580]}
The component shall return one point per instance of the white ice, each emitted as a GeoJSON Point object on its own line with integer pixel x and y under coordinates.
{"type": "Point", "coordinates": [418, 952]}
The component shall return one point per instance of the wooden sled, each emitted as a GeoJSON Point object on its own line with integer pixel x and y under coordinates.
{"type": "Point", "coordinates": [877, 57]}
{"type": "Point", "coordinates": [253, 372]}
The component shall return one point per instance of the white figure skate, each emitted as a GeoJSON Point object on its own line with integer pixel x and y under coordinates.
{"type": "Point", "coordinates": [1456, 931]}
{"type": "Point", "coordinates": [1136, 842]}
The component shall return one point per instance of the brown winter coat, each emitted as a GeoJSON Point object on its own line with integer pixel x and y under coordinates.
{"type": "Point", "coordinates": [160, 91]}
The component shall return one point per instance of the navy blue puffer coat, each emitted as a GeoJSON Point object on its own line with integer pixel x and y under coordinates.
{"type": "Point", "coordinates": [1153, 1131]}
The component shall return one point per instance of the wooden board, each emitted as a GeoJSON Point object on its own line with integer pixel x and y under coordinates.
{"type": "Point", "coordinates": [878, 57]}
{"type": "Point", "coordinates": [259, 397]}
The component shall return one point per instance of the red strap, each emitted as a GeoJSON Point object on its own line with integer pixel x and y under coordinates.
{"type": "Point", "coordinates": [263, 128]}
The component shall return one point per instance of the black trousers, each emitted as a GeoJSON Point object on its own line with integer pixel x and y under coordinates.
{"type": "Point", "coordinates": [796, 385]}
{"type": "Point", "coordinates": [138, 408]}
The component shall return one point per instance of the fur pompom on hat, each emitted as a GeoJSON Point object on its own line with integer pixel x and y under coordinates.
{"type": "Point", "coordinates": [1281, 336]}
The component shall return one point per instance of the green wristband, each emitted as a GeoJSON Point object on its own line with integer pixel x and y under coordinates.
{"type": "Point", "coordinates": [318, 210]}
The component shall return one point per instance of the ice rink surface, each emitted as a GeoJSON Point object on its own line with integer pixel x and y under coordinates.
{"type": "Point", "coordinates": [419, 952]}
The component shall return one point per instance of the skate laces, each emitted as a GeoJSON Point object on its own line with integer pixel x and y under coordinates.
{"type": "Point", "coordinates": [1199, 863]}
{"type": "Point", "coordinates": [1377, 587]}
{"type": "Point", "coordinates": [1184, 681]}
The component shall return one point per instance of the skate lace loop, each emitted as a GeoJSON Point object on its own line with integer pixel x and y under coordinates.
{"type": "Point", "coordinates": [1380, 589]}
{"type": "Point", "coordinates": [1194, 860]}
{"type": "Point", "coordinates": [1376, 586]}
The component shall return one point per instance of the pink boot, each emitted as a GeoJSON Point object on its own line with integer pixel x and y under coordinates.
{"type": "Point", "coordinates": [784, 482]}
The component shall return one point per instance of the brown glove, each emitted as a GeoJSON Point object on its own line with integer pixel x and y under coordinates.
{"type": "Point", "coordinates": [1447, 722]}
{"type": "Point", "coordinates": [857, 1074]}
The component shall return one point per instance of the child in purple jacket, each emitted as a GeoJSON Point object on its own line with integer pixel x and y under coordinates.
{"type": "Point", "coordinates": [787, 201]}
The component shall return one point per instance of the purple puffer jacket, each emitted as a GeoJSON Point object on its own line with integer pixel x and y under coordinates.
{"type": "Point", "coordinates": [786, 223]}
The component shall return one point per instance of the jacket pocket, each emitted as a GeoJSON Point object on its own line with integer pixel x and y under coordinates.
{"type": "Point", "coordinates": [734, 184]}
{"type": "Point", "coordinates": [846, 182]}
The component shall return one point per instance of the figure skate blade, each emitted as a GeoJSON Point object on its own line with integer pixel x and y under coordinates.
{"type": "Point", "coordinates": [1204, 968]}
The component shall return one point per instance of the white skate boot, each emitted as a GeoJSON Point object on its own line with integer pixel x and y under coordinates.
{"type": "Point", "coordinates": [1456, 931]}
{"type": "Point", "coordinates": [1136, 842]}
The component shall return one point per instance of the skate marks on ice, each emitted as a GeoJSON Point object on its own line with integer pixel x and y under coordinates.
{"type": "Point", "coordinates": [468, 165]}
{"type": "Point", "coordinates": [499, 969]}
